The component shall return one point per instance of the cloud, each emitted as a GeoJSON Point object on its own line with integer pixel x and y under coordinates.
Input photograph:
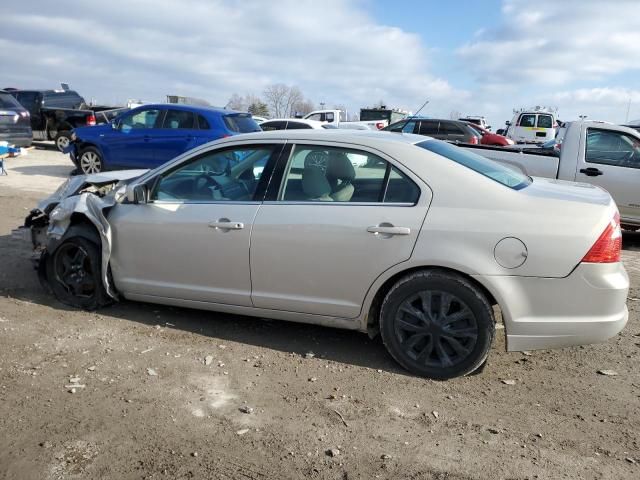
{"type": "Point", "coordinates": [333, 50]}
{"type": "Point", "coordinates": [554, 43]}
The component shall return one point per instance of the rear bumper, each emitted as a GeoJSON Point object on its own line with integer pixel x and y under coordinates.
{"type": "Point", "coordinates": [588, 306]}
{"type": "Point", "coordinates": [19, 139]}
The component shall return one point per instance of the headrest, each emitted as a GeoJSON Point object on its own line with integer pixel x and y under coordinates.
{"type": "Point", "coordinates": [316, 158]}
{"type": "Point", "coordinates": [340, 167]}
{"type": "Point", "coordinates": [315, 183]}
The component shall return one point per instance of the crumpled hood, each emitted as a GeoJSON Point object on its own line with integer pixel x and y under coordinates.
{"type": "Point", "coordinates": [74, 184]}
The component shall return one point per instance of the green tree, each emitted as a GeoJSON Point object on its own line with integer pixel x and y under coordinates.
{"type": "Point", "coordinates": [258, 108]}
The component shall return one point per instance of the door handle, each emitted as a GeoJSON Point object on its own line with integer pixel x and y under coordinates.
{"type": "Point", "coordinates": [388, 230]}
{"type": "Point", "coordinates": [591, 172]}
{"type": "Point", "coordinates": [226, 224]}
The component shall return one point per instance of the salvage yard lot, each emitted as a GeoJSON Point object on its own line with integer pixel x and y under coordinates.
{"type": "Point", "coordinates": [160, 391]}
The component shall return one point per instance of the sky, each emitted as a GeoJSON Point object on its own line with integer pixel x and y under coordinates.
{"type": "Point", "coordinates": [471, 57]}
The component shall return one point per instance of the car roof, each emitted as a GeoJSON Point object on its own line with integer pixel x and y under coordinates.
{"type": "Point", "coordinates": [192, 108]}
{"type": "Point", "coordinates": [371, 137]}
{"type": "Point", "coordinates": [316, 123]}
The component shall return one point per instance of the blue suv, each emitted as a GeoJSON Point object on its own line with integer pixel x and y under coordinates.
{"type": "Point", "coordinates": [148, 136]}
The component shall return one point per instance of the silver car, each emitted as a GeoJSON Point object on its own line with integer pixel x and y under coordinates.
{"type": "Point", "coordinates": [418, 243]}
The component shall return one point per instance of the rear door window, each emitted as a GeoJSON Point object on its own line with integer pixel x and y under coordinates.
{"type": "Point", "coordinates": [527, 120]}
{"type": "Point", "coordinates": [241, 123]}
{"type": "Point", "coordinates": [428, 127]}
{"type": "Point", "coordinates": [297, 126]}
{"type": "Point", "coordinates": [273, 125]}
{"type": "Point", "coordinates": [545, 121]}
{"type": "Point", "coordinates": [178, 119]}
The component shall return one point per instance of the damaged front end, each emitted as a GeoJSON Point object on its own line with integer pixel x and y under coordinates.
{"type": "Point", "coordinates": [82, 199]}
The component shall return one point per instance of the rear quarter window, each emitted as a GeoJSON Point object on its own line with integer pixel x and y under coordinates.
{"type": "Point", "coordinates": [477, 163]}
{"type": "Point", "coordinates": [7, 102]}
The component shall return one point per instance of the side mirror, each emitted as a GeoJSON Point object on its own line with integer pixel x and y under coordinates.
{"type": "Point", "coordinates": [507, 123]}
{"type": "Point", "coordinates": [137, 193]}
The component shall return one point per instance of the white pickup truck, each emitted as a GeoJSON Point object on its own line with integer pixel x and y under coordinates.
{"type": "Point", "coordinates": [594, 152]}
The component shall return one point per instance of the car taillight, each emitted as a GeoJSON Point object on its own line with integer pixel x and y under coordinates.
{"type": "Point", "coordinates": [607, 247]}
{"type": "Point", "coordinates": [91, 120]}
{"type": "Point", "coordinates": [473, 140]}
{"type": "Point", "coordinates": [379, 125]}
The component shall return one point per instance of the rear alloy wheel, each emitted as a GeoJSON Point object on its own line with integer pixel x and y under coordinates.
{"type": "Point", "coordinates": [63, 139]}
{"type": "Point", "coordinates": [90, 161]}
{"type": "Point", "coordinates": [73, 272]}
{"type": "Point", "coordinates": [437, 325]}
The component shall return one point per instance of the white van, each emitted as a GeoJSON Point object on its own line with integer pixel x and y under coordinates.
{"type": "Point", "coordinates": [532, 126]}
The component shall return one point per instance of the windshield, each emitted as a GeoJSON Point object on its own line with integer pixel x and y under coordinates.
{"type": "Point", "coordinates": [477, 163]}
{"type": "Point", "coordinates": [241, 123]}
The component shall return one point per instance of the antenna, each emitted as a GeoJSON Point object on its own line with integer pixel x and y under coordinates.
{"type": "Point", "coordinates": [423, 105]}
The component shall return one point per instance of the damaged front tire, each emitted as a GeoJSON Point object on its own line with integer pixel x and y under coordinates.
{"type": "Point", "coordinates": [73, 272]}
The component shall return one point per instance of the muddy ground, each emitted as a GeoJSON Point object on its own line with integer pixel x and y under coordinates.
{"type": "Point", "coordinates": [160, 391]}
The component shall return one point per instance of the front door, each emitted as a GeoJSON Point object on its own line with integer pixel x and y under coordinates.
{"type": "Point", "coordinates": [178, 135]}
{"type": "Point", "coordinates": [191, 239]}
{"type": "Point", "coordinates": [130, 144]}
{"type": "Point", "coordinates": [331, 228]}
{"type": "Point", "coordinates": [612, 160]}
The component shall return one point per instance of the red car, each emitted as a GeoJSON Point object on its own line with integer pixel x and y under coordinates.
{"type": "Point", "coordinates": [490, 138]}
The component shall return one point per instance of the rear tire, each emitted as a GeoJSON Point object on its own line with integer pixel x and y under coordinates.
{"type": "Point", "coordinates": [63, 139]}
{"type": "Point", "coordinates": [74, 273]}
{"type": "Point", "coordinates": [437, 324]}
{"type": "Point", "coordinates": [90, 161]}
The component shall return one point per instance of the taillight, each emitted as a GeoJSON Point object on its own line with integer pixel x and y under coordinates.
{"type": "Point", "coordinates": [473, 140]}
{"type": "Point", "coordinates": [91, 120]}
{"type": "Point", "coordinates": [607, 247]}
{"type": "Point", "coordinates": [379, 125]}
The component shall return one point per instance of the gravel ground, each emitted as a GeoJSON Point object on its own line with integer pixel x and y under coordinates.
{"type": "Point", "coordinates": [143, 391]}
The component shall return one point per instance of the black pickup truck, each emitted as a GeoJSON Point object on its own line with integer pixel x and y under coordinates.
{"type": "Point", "coordinates": [54, 113]}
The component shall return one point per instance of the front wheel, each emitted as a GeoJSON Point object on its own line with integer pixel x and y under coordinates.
{"type": "Point", "coordinates": [74, 274]}
{"type": "Point", "coordinates": [63, 140]}
{"type": "Point", "coordinates": [90, 161]}
{"type": "Point", "coordinates": [437, 324]}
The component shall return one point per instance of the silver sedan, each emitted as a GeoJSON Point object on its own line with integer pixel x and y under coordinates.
{"type": "Point", "coordinates": [401, 235]}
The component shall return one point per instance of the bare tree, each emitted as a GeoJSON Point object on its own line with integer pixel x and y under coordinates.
{"type": "Point", "coordinates": [303, 107]}
{"type": "Point", "coordinates": [236, 102]}
{"type": "Point", "coordinates": [281, 99]}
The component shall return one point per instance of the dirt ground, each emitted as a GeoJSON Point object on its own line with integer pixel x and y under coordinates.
{"type": "Point", "coordinates": [160, 392]}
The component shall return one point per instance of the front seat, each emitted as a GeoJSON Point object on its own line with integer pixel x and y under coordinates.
{"type": "Point", "coordinates": [340, 174]}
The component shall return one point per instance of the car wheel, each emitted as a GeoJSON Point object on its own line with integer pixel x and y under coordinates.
{"type": "Point", "coordinates": [74, 274]}
{"type": "Point", "coordinates": [437, 324]}
{"type": "Point", "coordinates": [63, 139]}
{"type": "Point", "coordinates": [90, 161]}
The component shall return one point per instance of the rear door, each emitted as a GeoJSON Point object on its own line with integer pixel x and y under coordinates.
{"type": "Point", "coordinates": [429, 128]}
{"type": "Point", "coordinates": [329, 229]}
{"type": "Point", "coordinates": [178, 134]}
{"type": "Point", "coordinates": [452, 132]}
{"type": "Point", "coordinates": [611, 159]}
{"type": "Point", "coordinates": [32, 101]}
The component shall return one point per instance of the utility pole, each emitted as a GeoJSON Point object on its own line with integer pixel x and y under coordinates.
{"type": "Point", "coordinates": [626, 119]}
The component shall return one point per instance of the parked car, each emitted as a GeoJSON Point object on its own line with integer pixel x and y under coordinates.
{"type": "Point", "coordinates": [54, 113]}
{"type": "Point", "coordinates": [15, 125]}
{"type": "Point", "coordinates": [372, 118]}
{"type": "Point", "coordinates": [293, 124]}
{"type": "Point", "coordinates": [258, 119]}
{"type": "Point", "coordinates": [532, 126]}
{"type": "Point", "coordinates": [476, 120]}
{"type": "Point", "coordinates": [490, 138]}
{"type": "Point", "coordinates": [151, 135]}
{"type": "Point", "coordinates": [449, 130]}
{"type": "Point", "coordinates": [599, 153]}
{"type": "Point", "coordinates": [419, 244]}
